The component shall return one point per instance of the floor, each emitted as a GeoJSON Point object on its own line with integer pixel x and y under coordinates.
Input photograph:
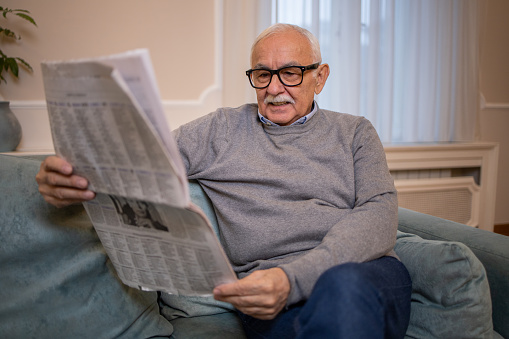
{"type": "Point", "coordinates": [502, 229]}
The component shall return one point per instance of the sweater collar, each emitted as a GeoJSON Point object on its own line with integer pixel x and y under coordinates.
{"type": "Point", "coordinates": [301, 121]}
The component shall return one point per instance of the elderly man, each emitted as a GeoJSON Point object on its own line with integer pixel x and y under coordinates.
{"type": "Point", "coordinates": [306, 206]}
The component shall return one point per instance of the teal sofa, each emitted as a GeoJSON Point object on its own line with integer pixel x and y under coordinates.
{"type": "Point", "coordinates": [57, 282]}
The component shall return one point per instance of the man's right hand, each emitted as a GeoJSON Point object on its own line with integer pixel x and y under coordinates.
{"type": "Point", "coordinates": [59, 186]}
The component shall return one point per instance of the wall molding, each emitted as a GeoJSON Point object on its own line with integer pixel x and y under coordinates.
{"type": "Point", "coordinates": [496, 105]}
{"type": "Point", "coordinates": [492, 105]}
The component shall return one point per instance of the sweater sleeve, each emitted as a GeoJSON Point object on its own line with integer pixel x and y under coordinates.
{"type": "Point", "coordinates": [201, 141]}
{"type": "Point", "coordinates": [367, 232]}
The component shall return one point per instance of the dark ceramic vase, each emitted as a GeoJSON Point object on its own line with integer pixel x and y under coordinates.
{"type": "Point", "coordinates": [10, 129]}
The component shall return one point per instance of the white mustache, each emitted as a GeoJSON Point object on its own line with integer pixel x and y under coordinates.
{"type": "Point", "coordinates": [270, 99]}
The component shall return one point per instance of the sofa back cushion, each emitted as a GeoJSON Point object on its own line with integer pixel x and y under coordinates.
{"type": "Point", "coordinates": [490, 248]}
{"type": "Point", "coordinates": [450, 290]}
{"type": "Point", "coordinates": [56, 279]}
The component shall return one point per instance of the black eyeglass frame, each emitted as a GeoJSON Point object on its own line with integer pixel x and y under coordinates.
{"type": "Point", "coordinates": [276, 71]}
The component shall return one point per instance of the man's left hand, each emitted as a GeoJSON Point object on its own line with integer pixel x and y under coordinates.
{"type": "Point", "coordinates": [262, 294]}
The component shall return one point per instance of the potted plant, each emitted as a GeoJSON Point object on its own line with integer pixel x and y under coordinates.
{"type": "Point", "coordinates": [10, 129]}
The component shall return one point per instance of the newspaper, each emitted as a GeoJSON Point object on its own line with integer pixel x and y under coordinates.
{"type": "Point", "coordinates": [107, 120]}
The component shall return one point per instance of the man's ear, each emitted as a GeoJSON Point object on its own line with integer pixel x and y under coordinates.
{"type": "Point", "coordinates": [321, 77]}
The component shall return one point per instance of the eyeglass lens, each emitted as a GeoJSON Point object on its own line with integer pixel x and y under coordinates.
{"type": "Point", "coordinates": [289, 76]}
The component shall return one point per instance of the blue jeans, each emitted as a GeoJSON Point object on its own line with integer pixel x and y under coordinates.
{"type": "Point", "coordinates": [353, 300]}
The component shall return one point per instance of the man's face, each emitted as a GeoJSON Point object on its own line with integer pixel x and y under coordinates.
{"type": "Point", "coordinates": [287, 49]}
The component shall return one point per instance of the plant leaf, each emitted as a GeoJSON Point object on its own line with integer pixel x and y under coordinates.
{"type": "Point", "coordinates": [27, 18]}
{"type": "Point", "coordinates": [8, 33]}
{"type": "Point", "coordinates": [6, 10]}
{"type": "Point", "coordinates": [10, 63]}
{"type": "Point", "coordinates": [26, 64]}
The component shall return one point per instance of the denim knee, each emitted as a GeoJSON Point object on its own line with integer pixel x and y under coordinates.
{"type": "Point", "coordinates": [347, 278]}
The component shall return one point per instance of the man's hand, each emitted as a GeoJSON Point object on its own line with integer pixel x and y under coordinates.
{"type": "Point", "coordinates": [262, 294]}
{"type": "Point", "coordinates": [59, 186]}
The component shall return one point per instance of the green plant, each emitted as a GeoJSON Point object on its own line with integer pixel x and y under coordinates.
{"type": "Point", "coordinates": [8, 63]}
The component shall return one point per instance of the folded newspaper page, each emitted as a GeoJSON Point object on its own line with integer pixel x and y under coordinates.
{"type": "Point", "coordinates": [107, 120]}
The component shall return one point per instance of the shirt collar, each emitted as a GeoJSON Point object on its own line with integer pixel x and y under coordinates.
{"type": "Point", "coordinates": [298, 122]}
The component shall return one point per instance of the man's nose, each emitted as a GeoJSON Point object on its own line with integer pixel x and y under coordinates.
{"type": "Point", "coordinates": [275, 86]}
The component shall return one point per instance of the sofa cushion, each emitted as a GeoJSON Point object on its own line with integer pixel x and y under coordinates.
{"type": "Point", "coordinates": [56, 279]}
{"type": "Point", "coordinates": [219, 326]}
{"type": "Point", "coordinates": [490, 248]}
{"type": "Point", "coordinates": [178, 306]}
{"type": "Point", "coordinates": [450, 293]}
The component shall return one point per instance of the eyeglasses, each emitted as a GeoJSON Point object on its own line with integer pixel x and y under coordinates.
{"type": "Point", "coordinates": [289, 76]}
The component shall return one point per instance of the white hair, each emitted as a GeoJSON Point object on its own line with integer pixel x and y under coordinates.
{"type": "Point", "coordinates": [279, 28]}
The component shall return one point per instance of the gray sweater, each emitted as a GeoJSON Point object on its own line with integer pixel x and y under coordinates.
{"type": "Point", "coordinates": [303, 198]}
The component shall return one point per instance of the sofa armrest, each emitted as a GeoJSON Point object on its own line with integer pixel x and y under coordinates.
{"type": "Point", "coordinates": [492, 250]}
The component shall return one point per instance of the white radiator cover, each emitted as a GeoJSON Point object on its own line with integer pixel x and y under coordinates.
{"type": "Point", "coordinates": [455, 199]}
{"type": "Point", "coordinates": [454, 181]}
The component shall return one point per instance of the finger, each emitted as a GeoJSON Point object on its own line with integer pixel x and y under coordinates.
{"type": "Point", "coordinates": [62, 193]}
{"type": "Point", "coordinates": [58, 179]}
{"type": "Point", "coordinates": [56, 164]}
{"type": "Point", "coordinates": [237, 288]}
{"type": "Point", "coordinates": [265, 300]}
{"type": "Point", "coordinates": [252, 284]}
{"type": "Point", "coordinates": [56, 171]}
{"type": "Point", "coordinates": [255, 284]}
